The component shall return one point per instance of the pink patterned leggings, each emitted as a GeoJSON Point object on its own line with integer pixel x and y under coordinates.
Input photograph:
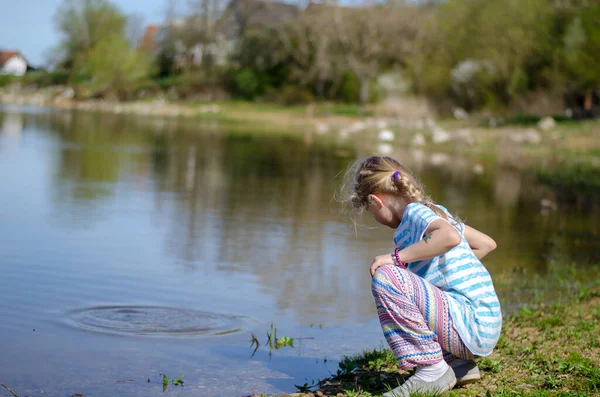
{"type": "Point", "coordinates": [415, 319]}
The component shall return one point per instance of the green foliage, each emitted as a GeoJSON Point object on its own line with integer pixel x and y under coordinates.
{"type": "Point", "coordinates": [471, 53]}
{"type": "Point", "coordinates": [46, 79]}
{"type": "Point", "coordinates": [284, 341]}
{"type": "Point", "coordinates": [248, 83]}
{"type": "Point", "coordinates": [175, 382]}
{"type": "Point", "coordinates": [487, 364]}
{"type": "Point", "coordinates": [582, 46]}
{"type": "Point", "coordinates": [294, 95]}
{"type": "Point", "coordinates": [7, 80]}
{"type": "Point", "coordinates": [305, 388]}
{"type": "Point", "coordinates": [116, 67]}
{"type": "Point", "coordinates": [83, 24]}
{"type": "Point", "coordinates": [350, 88]}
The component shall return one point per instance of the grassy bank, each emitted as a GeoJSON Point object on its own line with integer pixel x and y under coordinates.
{"type": "Point", "coordinates": [548, 352]}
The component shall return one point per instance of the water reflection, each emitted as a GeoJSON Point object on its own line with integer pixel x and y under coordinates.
{"type": "Point", "coordinates": [269, 198]}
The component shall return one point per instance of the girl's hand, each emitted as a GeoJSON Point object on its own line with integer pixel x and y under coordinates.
{"type": "Point", "coordinates": [381, 260]}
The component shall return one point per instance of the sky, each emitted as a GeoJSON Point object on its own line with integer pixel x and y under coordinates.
{"type": "Point", "coordinates": [27, 25]}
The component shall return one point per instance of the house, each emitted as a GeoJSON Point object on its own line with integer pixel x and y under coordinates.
{"type": "Point", "coordinates": [13, 63]}
{"type": "Point", "coordinates": [148, 43]}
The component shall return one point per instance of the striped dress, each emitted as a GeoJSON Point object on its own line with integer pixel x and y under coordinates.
{"type": "Point", "coordinates": [472, 301]}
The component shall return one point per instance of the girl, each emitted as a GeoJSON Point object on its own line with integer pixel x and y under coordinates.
{"type": "Point", "coordinates": [436, 302]}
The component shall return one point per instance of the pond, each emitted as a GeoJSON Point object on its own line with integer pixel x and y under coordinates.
{"type": "Point", "coordinates": [137, 247]}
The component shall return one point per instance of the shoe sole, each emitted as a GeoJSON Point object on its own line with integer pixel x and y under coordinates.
{"type": "Point", "coordinates": [467, 380]}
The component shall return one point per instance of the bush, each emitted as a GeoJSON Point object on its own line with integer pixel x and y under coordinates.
{"type": "Point", "coordinates": [295, 95]}
{"type": "Point", "coordinates": [247, 83]}
{"type": "Point", "coordinates": [7, 80]}
{"type": "Point", "coordinates": [46, 79]}
{"type": "Point", "coordinates": [350, 88]}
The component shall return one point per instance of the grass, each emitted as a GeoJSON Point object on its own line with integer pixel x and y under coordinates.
{"type": "Point", "coordinates": [551, 351]}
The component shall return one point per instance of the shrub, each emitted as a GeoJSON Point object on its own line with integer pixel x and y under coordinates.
{"type": "Point", "coordinates": [7, 80]}
{"type": "Point", "coordinates": [295, 95]}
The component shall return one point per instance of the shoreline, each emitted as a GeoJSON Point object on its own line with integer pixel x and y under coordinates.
{"type": "Point", "coordinates": [551, 351]}
{"type": "Point", "coordinates": [558, 155]}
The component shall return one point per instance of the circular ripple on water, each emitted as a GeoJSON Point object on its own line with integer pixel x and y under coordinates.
{"type": "Point", "coordinates": [154, 321]}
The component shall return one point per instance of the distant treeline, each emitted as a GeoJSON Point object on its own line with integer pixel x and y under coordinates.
{"type": "Point", "coordinates": [534, 55]}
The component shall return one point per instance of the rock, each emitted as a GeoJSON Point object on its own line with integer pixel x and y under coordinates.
{"type": "Point", "coordinates": [69, 93]}
{"type": "Point", "coordinates": [546, 124]}
{"type": "Point", "coordinates": [418, 140]}
{"type": "Point", "coordinates": [385, 149]}
{"type": "Point", "coordinates": [438, 159]}
{"type": "Point", "coordinates": [386, 136]}
{"type": "Point", "coordinates": [357, 126]}
{"type": "Point", "coordinates": [528, 136]}
{"type": "Point", "coordinates": [381, 124]}
{"type": "Point", "coordinates": [439, 135]}
{"type": "Point", "coordinates": [547, 204]}
{"type": "Point", "coordinates": [460, 113]}
{"type": "Point", "coordinates": [319, 393]}
{"type": "Point", "coordinates": [322, 128]}
{"type": "Point", "coordinates": [478, 169]}
{"type": "Point", "coordinates": [466, 135]}
{"type": "Point", "coordinates": [532, 136]}
{"type": "Point", "coordinates": [569, 112]}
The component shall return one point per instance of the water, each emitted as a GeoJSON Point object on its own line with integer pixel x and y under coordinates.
{"type": "Point", "coordinates": [135, 247]}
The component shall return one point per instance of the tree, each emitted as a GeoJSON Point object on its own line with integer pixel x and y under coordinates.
{"type": "Point", "coordinates": [582, 47]}
{"type": "Point", "coordinates": [503, 41]}
{"type": "Point", "coordinates": [83, 24]}
{"type": "Point", "coordinates": [116, 67]}
{"type": "Point", "coordinates": [95, 45]}
{"type": "Point", "coordinates": [374, 36]}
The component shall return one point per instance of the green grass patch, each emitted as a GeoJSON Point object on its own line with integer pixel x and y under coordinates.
{"type": "Point", "coordinates": [547, 351]}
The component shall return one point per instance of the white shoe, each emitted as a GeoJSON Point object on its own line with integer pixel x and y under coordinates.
{"type": "Point", "coordinates": [413, 385]}
{"type": "Point", "coordinates": [467, 373]}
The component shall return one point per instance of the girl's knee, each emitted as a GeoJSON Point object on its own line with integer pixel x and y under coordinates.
{"type": "Point", "coordinates": [389, 278]}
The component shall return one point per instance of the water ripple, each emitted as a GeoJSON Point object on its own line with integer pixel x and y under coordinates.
{"type": "Point", "coordinates": [154, 321]}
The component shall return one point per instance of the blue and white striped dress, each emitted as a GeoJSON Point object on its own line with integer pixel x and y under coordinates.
{"type": "Point", "coordinates": [473, 303]}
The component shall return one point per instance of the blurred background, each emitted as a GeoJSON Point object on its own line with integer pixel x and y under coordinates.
{"type": "Point", "coordinates": [168, 173]}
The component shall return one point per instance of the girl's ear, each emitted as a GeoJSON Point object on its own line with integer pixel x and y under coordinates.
{"type": "Point", "coordinates": [373, 199]}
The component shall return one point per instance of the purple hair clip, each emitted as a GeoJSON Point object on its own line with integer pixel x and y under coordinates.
{"type": "Point", "coordinates": [396, 175]}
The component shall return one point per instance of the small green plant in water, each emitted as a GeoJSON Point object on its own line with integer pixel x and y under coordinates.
{"type": "Point", "coordinates": [273, 341]}
{"type": "Point", "coordinates": [284, 341]}
{"type": "Point", "coordinates": [175, 382]}
{"type": "Point", "coordinates": [305, 388]}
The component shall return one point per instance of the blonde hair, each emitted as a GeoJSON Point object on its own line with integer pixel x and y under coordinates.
{"type": "Point", "coordinates": [382, 174]}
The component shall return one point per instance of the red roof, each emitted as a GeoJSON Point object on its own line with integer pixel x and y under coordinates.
{"type": "Point", "coordinates": [6, 55]}
{"type": "Point", "coordinates": [148, 42]}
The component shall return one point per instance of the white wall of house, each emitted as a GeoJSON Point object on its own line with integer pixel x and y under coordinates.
{"type": "Point", "coordinates": [15, 66]}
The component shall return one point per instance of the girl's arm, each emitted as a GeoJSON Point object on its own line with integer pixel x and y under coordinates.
{"type": "Point", "coordinates": [480, 243]}
{"type": "Point", "coordinates": [439, 238]}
